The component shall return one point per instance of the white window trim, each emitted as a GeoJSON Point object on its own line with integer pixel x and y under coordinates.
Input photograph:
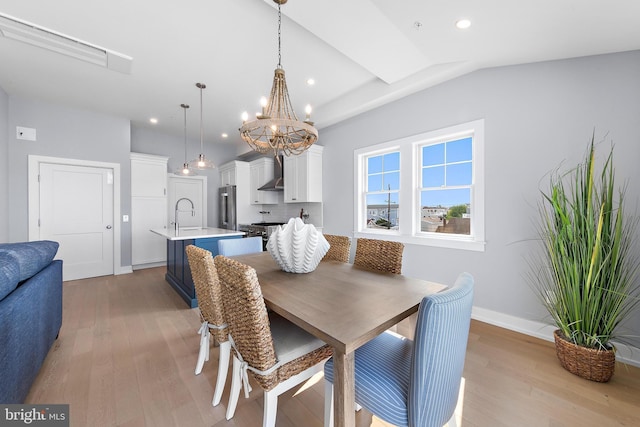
{"type": "Point", "coordinates": [409, 198]}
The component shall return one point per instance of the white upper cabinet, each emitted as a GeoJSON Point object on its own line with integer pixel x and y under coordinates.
{"type": "Point", "coordinates": [303, 176]}
{"type": "Point", "coordinates": [261, 173]}
{"type": "Point", "coordinates": [228, 173]}
{"type": "Point", "coordinates": [148, 175]}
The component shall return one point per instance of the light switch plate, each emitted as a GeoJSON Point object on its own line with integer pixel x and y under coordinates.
{"type": "Point", "coordinates": [125, 218]}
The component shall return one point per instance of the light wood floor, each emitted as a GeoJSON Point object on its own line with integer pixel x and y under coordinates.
{"type": "Point", "coordinates": [127, 351]}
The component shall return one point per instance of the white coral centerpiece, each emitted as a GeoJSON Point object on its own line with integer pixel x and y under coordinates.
{"type": "Point", "coordinates": [297, 247]}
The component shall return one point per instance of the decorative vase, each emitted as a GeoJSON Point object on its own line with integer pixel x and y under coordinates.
{"type": "Point", "coordinates": [588, 363]}
{"type": "Point", "coordinates": [297, 247]}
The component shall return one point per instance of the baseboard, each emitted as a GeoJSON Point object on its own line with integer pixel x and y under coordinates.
{"type": "Point", "coordinates": [149, 265]}
{"type": "Point", "coordinates": [124, 269]}
{"type": "Point", "coordinates": [624, 353]}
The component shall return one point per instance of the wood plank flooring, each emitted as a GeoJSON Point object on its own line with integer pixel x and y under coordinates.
{"type": "Point", "coordinates": [128, 346]}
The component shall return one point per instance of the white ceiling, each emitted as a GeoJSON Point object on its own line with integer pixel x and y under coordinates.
{"type": "Point", "coordinates": [361, 53]}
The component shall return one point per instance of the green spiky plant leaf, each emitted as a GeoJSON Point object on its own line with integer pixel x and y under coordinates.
{"type": "Point", "coordinates": [586, 277]}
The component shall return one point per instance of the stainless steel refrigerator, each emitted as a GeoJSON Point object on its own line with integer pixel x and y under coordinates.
{"type": "Point", "coordinates": [227, 217]}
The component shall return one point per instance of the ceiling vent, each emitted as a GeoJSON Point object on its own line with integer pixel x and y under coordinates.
{"type": "Point", "coordinates": [35, 35]}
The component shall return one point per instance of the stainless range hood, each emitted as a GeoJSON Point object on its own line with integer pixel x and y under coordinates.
{"type": "Point", "coordinates": [277, 183]}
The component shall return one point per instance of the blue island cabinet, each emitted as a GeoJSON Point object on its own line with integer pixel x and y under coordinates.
{"type": "Point", "coordinates": [178, 271]}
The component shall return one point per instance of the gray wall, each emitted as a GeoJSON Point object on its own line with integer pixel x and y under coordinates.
{"type": "Point", "coordinates": [537, 117]}
{"type": "Point", "coordinates": [67, 133]}
{"type": "Point", "coordinates": [150, 142]}
{"type": "Point", "coordinates": [71, 133]}
{"type": "Point", "coordinates": [4, 163]}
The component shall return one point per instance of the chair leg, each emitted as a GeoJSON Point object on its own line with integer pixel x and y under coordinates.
{"type": "Point", "coordinates": [270, 409]}
{"type": "Point", "coordinates": [452, 421]}
{"type": "Point", "coordinates": [236, 385]}
{"type": "Point", "coordinates": [328, 404]}
{"type": "Point", "coordinates": [223, 368]}
{"type": "Point", "coordinates": [204, 350]}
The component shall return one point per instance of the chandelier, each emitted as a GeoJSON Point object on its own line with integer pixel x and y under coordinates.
{"type": "Point", "coordinates": [277, 129]}
{"type": "Point", "coordinates": [185, 170]}
{"type": "Point", "coordinates": [201, 162]}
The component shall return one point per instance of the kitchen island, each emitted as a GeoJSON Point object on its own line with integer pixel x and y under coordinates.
{"type": "Point", "coordinates": [178, 272]}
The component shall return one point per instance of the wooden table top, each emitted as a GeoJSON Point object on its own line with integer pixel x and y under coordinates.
{"type": "Point", "coordinates": [342, 304]}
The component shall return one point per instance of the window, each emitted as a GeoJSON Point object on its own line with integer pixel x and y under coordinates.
{"type": "Point", "coordinates": [446, 183]}
{"type": "Point", "coordinates": [426, 189]}
{"type": "Point", "coordinates": [383, 185]}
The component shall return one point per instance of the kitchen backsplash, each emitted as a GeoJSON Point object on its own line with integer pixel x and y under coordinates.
{"type": "Point", "coordinates": [283, 211]}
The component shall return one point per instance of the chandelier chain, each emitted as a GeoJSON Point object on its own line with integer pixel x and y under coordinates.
{"type": "Point", "coordinates": [279, 32]}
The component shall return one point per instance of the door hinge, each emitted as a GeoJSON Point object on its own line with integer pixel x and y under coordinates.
{"type": "Point", "coordinates": [38, 177]}
{"type": "Point", "coordinates": [38, 222]}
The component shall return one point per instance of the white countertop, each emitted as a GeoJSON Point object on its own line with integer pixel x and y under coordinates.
{"type": "Point", "coordinates": [195, 233]}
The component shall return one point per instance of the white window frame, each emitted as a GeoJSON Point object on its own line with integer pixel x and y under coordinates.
{"type": "Point", "coordinates": [409, 195]}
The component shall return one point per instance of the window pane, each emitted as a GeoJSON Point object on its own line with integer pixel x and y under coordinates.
{"type": "Point", "coordinates": [459, 174]}
{"type": "Point", "coordinates": [391, 161]}
{"type": "Point", "coordinates": [433, 155]}
{"type": "Point", "coordinates": [433, 177]}
{"type": "Point", "coordinates": [374, 164]}
{"type": "Point", "coordinates": [391, 179]}
{"type": "Point", "coordinates": [456, 203]}
{"type": "Point", "coordinates": [381, 213]}
{"type": "Point", "coordinates": [374, 182]}
{"type": "Point", "coordinates": [458, 151]}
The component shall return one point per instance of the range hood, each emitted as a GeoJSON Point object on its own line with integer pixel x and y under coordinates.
{"type": "Point", "coordinates": [277, 183]}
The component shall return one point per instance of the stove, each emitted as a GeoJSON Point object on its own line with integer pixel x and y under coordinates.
{"type": "Point", "coordinates": [262, 229]}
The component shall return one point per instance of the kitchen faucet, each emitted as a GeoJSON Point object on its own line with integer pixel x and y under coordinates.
{"type": "Point", "coordinates": [193, 212]}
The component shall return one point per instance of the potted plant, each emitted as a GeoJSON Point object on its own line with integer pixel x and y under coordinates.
{"type": "Point", "coordinates": [586, 275]}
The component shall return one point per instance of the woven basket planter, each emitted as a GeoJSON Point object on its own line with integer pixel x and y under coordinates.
{"type": "Point", "coordinates": [588, 363]}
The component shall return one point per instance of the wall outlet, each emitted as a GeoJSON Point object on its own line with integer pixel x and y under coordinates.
{"type": "Point", "coordinates": [28, 134]}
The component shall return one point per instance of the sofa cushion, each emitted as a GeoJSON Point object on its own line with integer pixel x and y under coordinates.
{"type": "Point", "coordinates": [31, 256]}
{"type": "Point", "coordinates": [9, 274]}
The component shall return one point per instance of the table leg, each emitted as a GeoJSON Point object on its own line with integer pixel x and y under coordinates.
{"type": "Point", "coordinates": [343, 389]}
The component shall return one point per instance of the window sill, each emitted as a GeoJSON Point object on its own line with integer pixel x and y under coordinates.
{"type": "Point", "coordinates": [449, 242]}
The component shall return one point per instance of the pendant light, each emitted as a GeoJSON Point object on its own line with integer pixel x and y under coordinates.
{"type": "Point", "coordinates": [277, 129]}
{"type": "Point", "coordinates": [201, 162]}
{"type": "Point", "coordinates": [185, 170]}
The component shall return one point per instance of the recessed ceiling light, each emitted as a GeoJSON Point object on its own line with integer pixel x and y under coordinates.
{"type": "Point", "coordinates": [463, 24]}
{"type": "Point", "coordinates": [311, 82]}
{"type": "Point", "coordinates": [224, 135]}
{"type": "Point", "coordinates": [153, 120]}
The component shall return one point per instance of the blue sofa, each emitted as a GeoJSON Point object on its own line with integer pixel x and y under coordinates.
{"type": "Point", "coordinates": [30, 313]}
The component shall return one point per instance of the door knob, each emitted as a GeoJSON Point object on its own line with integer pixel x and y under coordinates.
{"type": "Point", "coordinates": [108, 227]}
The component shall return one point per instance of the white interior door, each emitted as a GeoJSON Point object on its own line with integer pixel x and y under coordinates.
{"type": "Point", "coordinates": [194, 189]}
{"type": "Point", "coordinates": [76, 210]}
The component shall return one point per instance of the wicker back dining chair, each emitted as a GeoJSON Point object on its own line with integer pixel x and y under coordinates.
{"type": "Point", "coordinates": [415, 383]}
{"type": "Point", "coordinates": [339, 248]}
{"type": "Point", "coordinates": [278, 353]}
{"type": "Point", "coordinates": [208, 293]}
{"type": "Point", "coordinates": [380, 255]}
{"type": "Point", "coordinates": [232, 247]}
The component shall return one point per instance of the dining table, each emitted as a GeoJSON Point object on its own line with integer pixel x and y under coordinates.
{"type": "Point", "coordinates": [342, 304]}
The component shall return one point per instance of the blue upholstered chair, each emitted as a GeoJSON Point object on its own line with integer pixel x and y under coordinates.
{"type": "Point", "coordinates": [232, 247]}
{"type": "Point", "coordinates": [415, 383]}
